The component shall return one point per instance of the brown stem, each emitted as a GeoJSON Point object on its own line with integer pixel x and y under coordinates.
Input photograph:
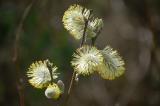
{"type": "Point", "coordinates": [49, 65]}
{"type": "Point", "coordinates": [50, 71]}
{"type": "Point", "coordinates": [19, 30]}
{"type": "Point", "coordinates": [71, 82]}
{"type": "Point", "coordinates": [84, 33]}
{"type": "Point", "coordinates": [19, 82]}
{"type": "Point", "coordinates": [81, 44]}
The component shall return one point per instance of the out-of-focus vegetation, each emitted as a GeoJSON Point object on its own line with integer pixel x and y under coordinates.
{"type": "Point", "coordinates": [130, 26]}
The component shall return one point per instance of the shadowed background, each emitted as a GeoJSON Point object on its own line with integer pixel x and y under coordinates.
{"type": "Point", "coordinates": [130, 26]}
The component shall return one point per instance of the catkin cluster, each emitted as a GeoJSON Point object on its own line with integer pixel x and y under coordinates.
{"type": "Point", "coordinates": [86, 60]}
{"type": "Point", "coordinates": [43, 74]}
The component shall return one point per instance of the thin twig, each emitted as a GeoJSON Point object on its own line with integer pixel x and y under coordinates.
{"type": "Point", "coordinates": [71, 82]}
{"type": "Point", "coordinates": [84, 33]}
{"type": "Point", "coordinates": [81, 44]}
{"type": "Point", "coordinates": [15, 54]}
{"type": "Point", "coordinates": [19, 30]}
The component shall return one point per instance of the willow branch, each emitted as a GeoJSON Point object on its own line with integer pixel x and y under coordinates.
{"type": "Point", "coordinates": [19, 30]}
{"type": "Point", "coordinates": [81, 44]}
{"type": "Point", "coordinates": [15, 54]}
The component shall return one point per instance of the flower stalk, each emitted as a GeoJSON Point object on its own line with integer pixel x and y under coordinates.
{"type": "Point", "coordinates": [82, 42]}
{"type": "Point", "coordinates": [49, 65]}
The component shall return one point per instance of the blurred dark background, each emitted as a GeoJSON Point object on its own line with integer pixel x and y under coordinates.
{"type": "Point", "coordinates": [130, 26]}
